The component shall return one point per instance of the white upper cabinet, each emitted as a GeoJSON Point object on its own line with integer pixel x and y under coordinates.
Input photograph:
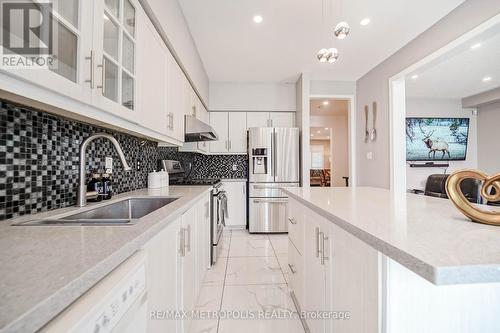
{"type": "Point", "coordinates": [270, 119]}
{"type": "Point", "coordinates": [195, 108]}
{"type": "Point", "coordinates": [114, 40]}
{"type": "Point", "coordinates": [72, 75]}
{"type": "Point", "coordinates": [282, 119]}
{"type": "Point", "coordinates": [175, 100]}
{"type": "Point", "coordinates": [152, 68]}
{"type": "Point", "coordinates": [237, 133]}
{"type": "Point", "coordinates": [219, 122]}
{"type": "Point", "coordinates": [257, 119]}
{"type": "Point", "coordinates": [231, 128]}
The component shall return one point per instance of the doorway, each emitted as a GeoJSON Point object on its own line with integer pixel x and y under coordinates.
{"type": "Point", "coordinates": [329, 142]}
{"type": "Point", "coordinates": [435, 92]}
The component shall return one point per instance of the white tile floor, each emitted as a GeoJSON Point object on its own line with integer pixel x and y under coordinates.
{"type": "Point", "coordinates": [249, 277]}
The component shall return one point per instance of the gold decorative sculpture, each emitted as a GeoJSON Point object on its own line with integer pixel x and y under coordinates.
{"type": "Point", "coordinates": [468, 209]}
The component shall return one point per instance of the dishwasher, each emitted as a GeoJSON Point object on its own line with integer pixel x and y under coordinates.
{"type": "Point", "coordinates": [117, 303]}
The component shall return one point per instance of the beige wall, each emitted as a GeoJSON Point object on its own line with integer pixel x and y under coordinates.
{"type": "Point", "coordinates": [488, 127]}
{"type": "Point", "coordinates": [374, 86]}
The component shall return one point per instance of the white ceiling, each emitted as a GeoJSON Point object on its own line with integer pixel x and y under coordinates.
{"type": "Point", "coordinates": [460, 72]}
{"type": "Point", "coordinates": [320, 133]}
{"type": "Point", "coordinates": [234, 48]}
{"type": "Point", "coordinates": [334, 108]}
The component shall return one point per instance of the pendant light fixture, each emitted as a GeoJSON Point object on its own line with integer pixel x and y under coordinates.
{"type": "Point", "coordinates": [329, 55]}
{"type": "Point", "coordinates": [342, 29]}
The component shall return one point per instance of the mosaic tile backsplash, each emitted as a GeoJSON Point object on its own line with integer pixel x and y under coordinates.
{"type": "Point", "coordinates": [39, 160]}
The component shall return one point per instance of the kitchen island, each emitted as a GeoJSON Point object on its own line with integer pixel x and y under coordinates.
{"type": "Point", "coordinates": [406, 264]}
{"type": "Point", "coordinates": [46, 268]}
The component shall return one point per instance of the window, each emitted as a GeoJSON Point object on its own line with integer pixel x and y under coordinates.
{"type": "Point", "coordinates": [317, 158]}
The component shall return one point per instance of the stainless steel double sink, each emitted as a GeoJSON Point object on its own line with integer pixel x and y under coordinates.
{"type": "Point", "coordinates": [124, 212]}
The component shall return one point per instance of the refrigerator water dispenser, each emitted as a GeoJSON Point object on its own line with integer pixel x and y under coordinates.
{"type": "Point", "coordinates": [259, 160]}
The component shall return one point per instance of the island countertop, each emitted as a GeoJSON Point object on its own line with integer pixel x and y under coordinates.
{"type": "Point", "coordinates": [427, 235]}
{"type": "Point", "coordinates": [45, 268]}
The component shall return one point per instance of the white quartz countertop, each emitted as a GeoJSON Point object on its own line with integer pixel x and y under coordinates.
{"type": "Point", "coordinates": [427, 235]}
{"type": "Point", "coordinates": [44, 269]}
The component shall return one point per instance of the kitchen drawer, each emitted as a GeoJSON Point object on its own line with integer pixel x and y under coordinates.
{"type": "Point", "coordinates": [268, 214]}
{"type": "Point", "coordinates": [296, 275]}
{"type": "Point", "coordinates": [295, 219]}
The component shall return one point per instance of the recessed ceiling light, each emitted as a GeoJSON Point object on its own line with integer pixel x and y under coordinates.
{"type": "Point", "coordinates": [475, 46]}
{"type": "Point", "coordinates": [326, 102]}
{"type": "Point", "coordinates": [312, 134]}
{"type": "Point", "coordinates": [326, 128]}
{"type": "Point", "coordinates": [257, 19]}
{"type": "Point", "coordinates": [319, 132]}
{"type": "Point", "coordinates": [414, 77]}
{"type": "Point", "coordinates": [487, 79]}
{"type": "Point", "coordinates": [365, 21]}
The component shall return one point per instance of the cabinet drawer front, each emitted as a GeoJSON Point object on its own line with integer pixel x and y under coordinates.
{"type": "Point", "coordinates": [295, 272]}
{"type": "Point", "coordinates": [295, 220]}
{"type": "Point", "coordinates": [268, 214]}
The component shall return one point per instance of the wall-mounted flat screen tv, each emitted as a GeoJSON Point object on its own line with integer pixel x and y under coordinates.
{"type": "Point", "coordinates": [436, 139]}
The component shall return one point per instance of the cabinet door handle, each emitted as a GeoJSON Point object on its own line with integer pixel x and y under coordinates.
{"type": "Point", "coordinates": [226, 144]}
{"type": "Point", "coordinates": [292, 220]}
{"type": "Point", "coordinates": [188, 245]}
{"type": "Point", "coordinates": [103, 76]}
{"type": "Point", "coordinates": [292, 268]}
{"type": "Point", "coordinates": [91, 59]}
{"type": "Point", "coordinates": [324, 239]}
{"type": "Point", "coordinates": [229, 144]}
{"type": "Point", "coordinates": [318, 251]}
{"type": "Point", "coordinates": [182, 243]}
{"type": "Point", "coordinates": [194, 111]}
{"type": "Point", "coordinates": [173, 126]}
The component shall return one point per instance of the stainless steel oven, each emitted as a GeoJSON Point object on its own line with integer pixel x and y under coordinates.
{"type": "Point", "coordinates": [219, 209]}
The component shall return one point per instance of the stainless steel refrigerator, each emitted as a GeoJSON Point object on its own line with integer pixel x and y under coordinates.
{"type": "Point", "coordinates": [273, 163]}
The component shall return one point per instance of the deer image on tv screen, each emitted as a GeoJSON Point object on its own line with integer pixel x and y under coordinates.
{"type": "Point", "coordinates": [445, 136]}
{"type": "Point", "coordinates": [435, 146]}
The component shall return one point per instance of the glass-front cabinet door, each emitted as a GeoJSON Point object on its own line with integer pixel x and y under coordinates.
{"type": "Point", "coordinates": [68, 71]}
{"type": "Point", "coordinates": [115, 50]}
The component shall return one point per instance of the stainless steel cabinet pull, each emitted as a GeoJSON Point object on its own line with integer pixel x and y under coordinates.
{"type": "Point", "coordinates": [292, 221]}
{"type": "Point", "coordinates": [229, 144]}
{"type": "Point", "coordinates": [318, 251]}
{"type": "Point", "coordinates": [188, 229]}
{"type": "Point", "coordinates": [324, 239]}
{"type": "Point", "coordinates": [292, 269]}
{"type": "Point", "coordinates": [91, 80]}
{"type": "Point", "coordinates": [182, 243]}
{"type": "Point", "coordinates": [103, 76]}
{"type": "Point", "coordinates": [226, 144]}
{"type": "Point", "coordinates": [194, 111]}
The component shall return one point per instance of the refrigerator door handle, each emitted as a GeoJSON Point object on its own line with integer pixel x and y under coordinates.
{"type": "Point", "coordinates": [273, 157]}
{"type": "Point", "coordinates": [275, 152]}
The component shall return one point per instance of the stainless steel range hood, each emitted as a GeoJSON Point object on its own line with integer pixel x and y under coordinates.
{"type": "Point", "coordinates": [196, 130]}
